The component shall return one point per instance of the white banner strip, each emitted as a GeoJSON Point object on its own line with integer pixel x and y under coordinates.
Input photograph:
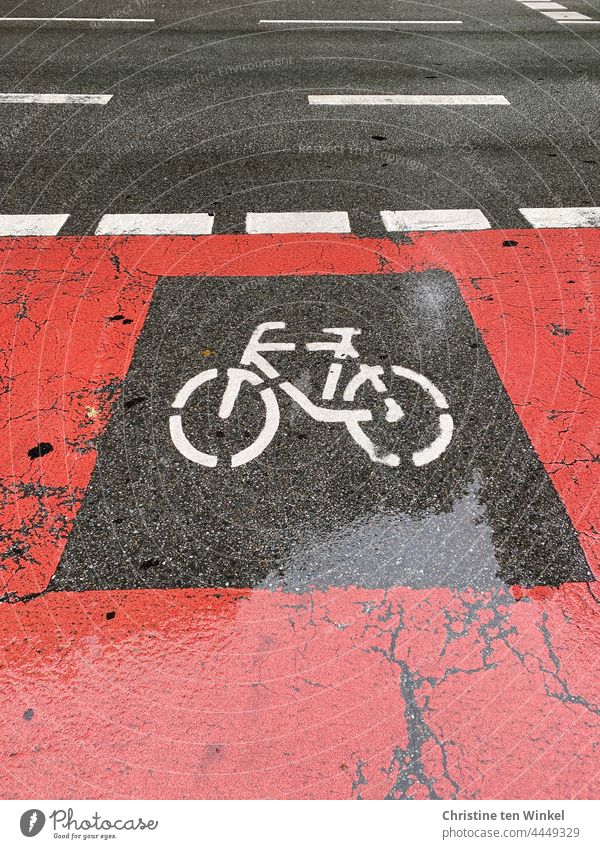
{"type": "Point", "coordinates": [295, 824]}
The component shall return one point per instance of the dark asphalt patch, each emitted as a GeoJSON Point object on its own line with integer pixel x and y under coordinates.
{"type": "Point", "coordinates": [313, 508]}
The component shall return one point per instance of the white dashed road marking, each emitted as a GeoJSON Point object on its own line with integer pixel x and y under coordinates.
{"type": "Point", "coordinates": [193, 224]}
{"type": "Point", "coordinates": [345, 23]}
{"type": "Point", "coordinates": [567, 16]}
{"type": "Point", "coordinates": [434, 219]}
{"type": "Point", "coordinates": [407, 100]}
{"type": "Point", "coordinates": [544, 6]}
{"type": "Point", "coordinates": [51, 99]}
{"type": "Point", "coordinates": [297, 222]}
{"type": "Point", "coordinates": [321, 221]}
{"type": "Point", "coordinates": [31, 225]}
{"type": "Point", "coordinates": [562, 216]}
{"type": "Point", "coordinates": [86, 20]}
{"type": "Point", "coordinates": [557, 12]}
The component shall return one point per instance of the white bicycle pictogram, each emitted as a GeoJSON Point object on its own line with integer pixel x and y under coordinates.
{"type": "Point", "coordinates": [342, 349]}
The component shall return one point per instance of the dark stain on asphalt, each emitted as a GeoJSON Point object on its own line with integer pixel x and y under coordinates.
{"type": "Point", "coordinates": [133, 402]}
{"type": "Point", "coordinates": [557, 330]}
{"type": "Point", "coordinates": [40, 450]}
{"type": "Point", "coordinates": [150, 563]}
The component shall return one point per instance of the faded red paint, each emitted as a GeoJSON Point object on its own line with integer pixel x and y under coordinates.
{"type": "Point", "coordinates": [64, 359]}
{"type": "Point", "coordinates": [537, 312]}
{"type": "Point", "coordinates": [203, 694]}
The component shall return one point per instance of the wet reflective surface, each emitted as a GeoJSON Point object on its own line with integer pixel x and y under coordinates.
{"type": "Point", "coordinates": [313, 508]}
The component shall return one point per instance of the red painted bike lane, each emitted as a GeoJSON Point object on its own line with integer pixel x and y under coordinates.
{"type": "Point", "coordinates": [251, 693]}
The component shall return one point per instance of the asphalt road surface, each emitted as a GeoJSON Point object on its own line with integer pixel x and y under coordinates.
{"type": "Point", "coordinates": [210, 110]}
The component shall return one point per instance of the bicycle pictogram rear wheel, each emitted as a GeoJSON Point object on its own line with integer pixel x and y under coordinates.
{"type": "Point", "coordinates": [235, 378]}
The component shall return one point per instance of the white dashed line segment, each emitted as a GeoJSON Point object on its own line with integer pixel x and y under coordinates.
{"type": "Point", "coordinates": [434, 219]}
{"type": "Point", "coordinates": [309, 21]}
{"type": "Point", "coordinates": [544, 6]}
{"type": "Point", "coordinates": [562, 216]}
{"type": "Point", "coordinates": [557, 12]}
{"type": "Point", "coordinates": [31, 225]}
{"type": "Point", "coordinates": [566, 16]}
{"type": "Point", "coordinates": [86, 20]}
{"type": "Point", "coordinates": [192, 224]}
{"type": "Point", "coordinates": [297, 222]}
{"type": "Point", "coordinates": [52, 99]}
{"type": "Point", "coordinates": [407, 100]}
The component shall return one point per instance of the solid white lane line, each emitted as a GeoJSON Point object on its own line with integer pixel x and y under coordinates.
{"type": "Point", "coordinates": [87, 20]}
{"type": "Point", "coordinates": [297, 222]}
{"type": "Point", "coordinates": [77, 99]}
{"type": "Point", "coordinates": [149, 224]}
{"type": "Point", "coordinates": [434, 219]}
{"type": "Point", "coordinates": [566, 16]}
{"type": "Point", "coordinates": [562, 216]}
{"type": "Point", "coordinates": [337, 21]}
{"type": "Point", "coordinates": [407, 100]}
{"type": "Point", "coordinates": [31, 225]}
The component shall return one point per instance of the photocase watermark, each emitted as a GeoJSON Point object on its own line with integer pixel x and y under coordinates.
{"type": "Point", "coordinates": [67, 827]}
{"type": "Point", "coordinates": [32, 822]}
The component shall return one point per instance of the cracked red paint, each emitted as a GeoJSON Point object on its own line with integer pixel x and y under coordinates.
{"type": "Point", "coordinates": [368, 693]}
{"type": "Point", "coordinates": [402, 693]}
{"type": "Point", "coordinates": [63, 363]}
